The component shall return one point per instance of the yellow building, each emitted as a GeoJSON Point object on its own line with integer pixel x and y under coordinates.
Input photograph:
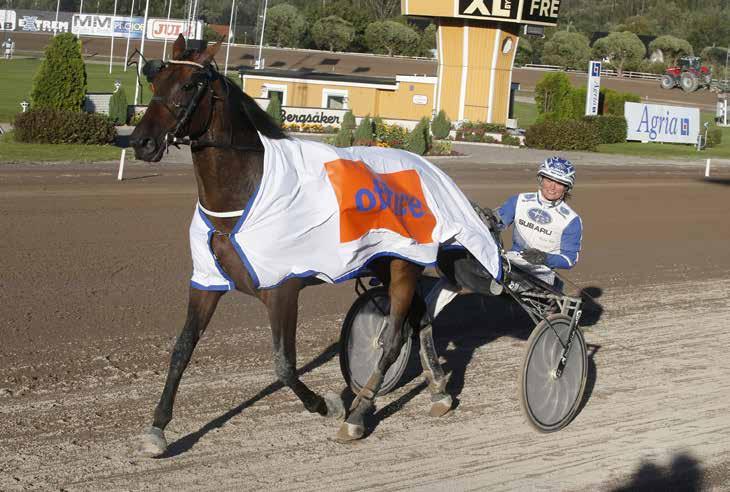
{"type": "Point", "coordinates": [407, 98]}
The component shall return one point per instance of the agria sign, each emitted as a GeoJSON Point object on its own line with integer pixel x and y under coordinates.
{"type": "Point", "coordinates": [655, 123]}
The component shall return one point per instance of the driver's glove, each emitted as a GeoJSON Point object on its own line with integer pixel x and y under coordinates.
{"type": "Point", "coordinates": [534, 256]}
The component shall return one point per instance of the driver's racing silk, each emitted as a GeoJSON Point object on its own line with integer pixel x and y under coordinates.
{"type": "Point", "coordinates": [326, 212]}
{"type": "Point", "coordinates": [555, 229]}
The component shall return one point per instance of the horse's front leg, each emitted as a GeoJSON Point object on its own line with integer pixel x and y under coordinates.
{"type": "Point", "coordinates": [201, 306]}
{"type": "Point", "coordinates": [282, 306]}
{"type": "Point", "coordinates": [402, 286]}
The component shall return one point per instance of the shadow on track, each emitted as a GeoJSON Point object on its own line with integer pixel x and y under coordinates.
{"type": "Point", "coordinates": [683, 474]}
{"type": "Point", "coordinates": [187, 442]}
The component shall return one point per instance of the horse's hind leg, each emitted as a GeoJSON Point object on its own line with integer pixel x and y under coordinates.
{"type": "Point", "coordinates": [282, 304]}
{"type": "Point", "coordinates": [401, 288]}
{"type": "Point", "coordinates": [439, 296]}
{"type": "Point", "coordinates": [201, 306]}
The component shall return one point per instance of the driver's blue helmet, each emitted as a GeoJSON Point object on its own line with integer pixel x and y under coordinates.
{"type": "Point", "coordinates": [558, 169]}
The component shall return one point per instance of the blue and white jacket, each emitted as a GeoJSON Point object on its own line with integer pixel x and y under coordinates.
{"type": "Point", "coordinates": [552, 227]}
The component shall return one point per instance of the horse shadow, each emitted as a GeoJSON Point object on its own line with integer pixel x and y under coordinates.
{"type": "Point", "coordinates": [187, 442]}
{"type": "Point", "coordinates": [472, 321]}
{"type": "Point", "coordinates": [683, 474]}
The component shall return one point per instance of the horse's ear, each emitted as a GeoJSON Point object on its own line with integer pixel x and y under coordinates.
{"type": "Point", "coordinates": [178, 48]}
{"type": "Point", "coordinates": [211, 51]}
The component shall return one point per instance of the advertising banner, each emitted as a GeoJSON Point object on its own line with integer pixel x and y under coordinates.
{"type": "Point", "coordinates": [656, 123]}
{"type": "Point", "coordinates": [38, 21]}
{"type": "Point", "coordinates": [171, 28]}
{"type": "Point", "coordinates": [8, 20]}
{"type": "Point", "coordinates": [104, 25]}
{"type": "Point", "coordinates": [593, 94]}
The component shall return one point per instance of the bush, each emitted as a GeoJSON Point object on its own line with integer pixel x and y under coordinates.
{"type": "Point", "coordinates": [419, 141]}
{"type": "Point", "coordinates": [118, 107]}
{"type": "Point", "coordinates": [364, 132]}
{"type": "Point", "coordinates": [60, 82]}
{"type": "Point", "coordinates": [444, 147]}
{"type": "Point", "coordinates": [274, 109]}
{"type": "Point", "coordinates": [508, 139]}
{"type": "Point", "coordinates": [612, 102]}
{"type": "Point", "coordinates": [609, 128]}
{"type": "Point", "coordinates": [477, 132]}
{"type": "Point", "coordinates": [348, 121]}
{"type": "Point", "coordinates": [714, 137]}
{"type": "Point", "coordinates": [441, 126]}
{"type": "Point", "coordinates": [390, 135]}
{"type": "Point", "coordinates": [343, 138]}
{"type": "Point", "coordinates": [563, 135]}
{"type": "Point", "coordinates": [552, 96]}
{"type": "Point", "coordinates": [63, 127]}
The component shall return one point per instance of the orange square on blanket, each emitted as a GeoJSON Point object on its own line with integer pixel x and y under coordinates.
{"type": "Point", "coordinates": [368, 200]}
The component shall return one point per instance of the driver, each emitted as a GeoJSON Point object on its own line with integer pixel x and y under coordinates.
{"type": "Point", "coordinates": [547, 232]}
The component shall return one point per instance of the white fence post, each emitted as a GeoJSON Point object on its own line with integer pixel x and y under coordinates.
{"type": "Point", "coordinates": [121, 165]}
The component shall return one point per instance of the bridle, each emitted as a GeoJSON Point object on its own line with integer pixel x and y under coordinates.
{"type": "Point", "coordinates": [182, 114]}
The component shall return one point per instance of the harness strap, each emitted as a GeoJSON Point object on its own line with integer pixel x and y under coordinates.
{"type": "Point", "coordinates": [221, 215]}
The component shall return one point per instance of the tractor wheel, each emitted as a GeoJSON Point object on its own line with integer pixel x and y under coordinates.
{"type": "Point", "coordinates": [689, 82]}
{"type": "Point", "coordinates": [667, 81]}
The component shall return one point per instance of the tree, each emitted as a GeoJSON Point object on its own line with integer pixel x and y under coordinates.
{"type": "Point", "coordinates": [61, 79]}
{"type": "Point", "coordinates": [274, 109]}
{"type": "Point", "coordinates": [441, 126]}
{"type": "Point", "coordinates": [428, 41]}
{"type": "Point", "coordinates": [364, 132]}
{"type": "Point", "coordinates": [391, 38]}
{"type": "Point", "coordinates": [553, 97]}
{"type": "Point", "coordinates": [524, 52]}
{"type": "Point", "coordinates": [717, 58]}
{"type": "Point", "coordinates": [419, 140]}
{"type": "Point", "coordinates": [333, 33]}
{"type": "Point", "coordinates": [118, 107]}
{"type": "Point", "coordinates": [672, 48]}
{"type": "Point", "coordinates": [285, 26]}
{"type": "Point", "coordinates": [567, 49]}
{"type": "Point", "coordinates": [638, 24]}
{"type": "Point", "coordinates": [382, 9]}
{"type": "Point", "coordinates": [708, 28]}
{"type": "Point", "coordinates": [621, 48]}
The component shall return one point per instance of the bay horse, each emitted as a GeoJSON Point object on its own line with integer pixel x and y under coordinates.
{"type": "Point", "coordinates": [194, 104]}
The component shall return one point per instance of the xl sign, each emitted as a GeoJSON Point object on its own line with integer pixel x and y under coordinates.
{"type": "Point", "coordinates": [488, 9]}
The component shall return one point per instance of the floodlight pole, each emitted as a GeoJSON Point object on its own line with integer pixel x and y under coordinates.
{"type": "Point", "coordinates": [141, 51]}
{"type": "Point", "coordinates": [55, 26]}
{"type": "Point", "coordinates": [111, 49]}
{"type": "Point", "coordinates": [164, 47]}
{"type": "Point", "coordinates": [263, 27]}
{"type": "Point", "coordinates": [230, 37]}
{"type": "Point", "coordinates": [129, 35]}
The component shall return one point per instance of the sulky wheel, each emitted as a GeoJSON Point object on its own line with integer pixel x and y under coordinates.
{"type": "Point", "coordinates": [359, 348]}
{"type": "Point", "coordinates": [551, 401]}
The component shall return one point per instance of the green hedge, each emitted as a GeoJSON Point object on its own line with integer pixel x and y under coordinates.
{"type": "Point", "coordinates": [610, 129]}
{"type": "Point", "coordinates": [67, 127]}
{"type": "Point", "coordinates": [562, 135]}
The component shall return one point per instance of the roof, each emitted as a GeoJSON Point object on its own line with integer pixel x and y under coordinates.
{"type": "Point", "coordinates": [308, 74]}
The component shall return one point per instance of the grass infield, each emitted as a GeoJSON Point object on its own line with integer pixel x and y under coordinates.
{"type": "Point", "coordinates": [12, 151]}
{"type": "Point", "coordinates": [16, 82]}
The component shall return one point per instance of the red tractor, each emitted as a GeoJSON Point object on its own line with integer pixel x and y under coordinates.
{"type": "Point", "coordinates": [689, 74]}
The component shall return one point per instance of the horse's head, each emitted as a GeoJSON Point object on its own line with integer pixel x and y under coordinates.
{"type": "Point", "coordinates": [182, 103]}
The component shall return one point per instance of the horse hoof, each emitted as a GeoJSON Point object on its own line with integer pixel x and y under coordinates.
{"type": "Point", "coordinates": [335, 407]}
{"type": "Point", "coordinates": [441, 407]}
{"type": "Point", "coordinates": [350, 432]}
{"type": "Point", "coordinates": [152, 443]}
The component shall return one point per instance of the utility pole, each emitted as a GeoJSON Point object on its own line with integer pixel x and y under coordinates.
{"type": "Point", "coordinates": [263, 28]}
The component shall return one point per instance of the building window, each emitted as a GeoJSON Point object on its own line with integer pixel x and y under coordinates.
{"type": "Point", "coordinates": [268, 91]}
{"type": "Point", "coordinates": [335, 99]}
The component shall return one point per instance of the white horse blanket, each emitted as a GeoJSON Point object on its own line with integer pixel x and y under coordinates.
{"type": "Point", "coordinates": [327, 212]}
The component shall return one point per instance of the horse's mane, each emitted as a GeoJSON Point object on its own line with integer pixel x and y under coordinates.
{"type": "Point", "coordinates": [259, 118]}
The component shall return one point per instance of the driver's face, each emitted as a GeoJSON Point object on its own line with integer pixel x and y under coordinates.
{"type": "Point", "coordinates": [552, 190]}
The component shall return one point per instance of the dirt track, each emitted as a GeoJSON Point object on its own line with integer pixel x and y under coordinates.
{"type": "Point", "coordinates": [94, 287]}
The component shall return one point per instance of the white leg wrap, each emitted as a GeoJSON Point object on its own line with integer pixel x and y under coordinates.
{"type": "Point", "coordinates": [439, 297]}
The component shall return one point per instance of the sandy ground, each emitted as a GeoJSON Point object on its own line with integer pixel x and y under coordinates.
{"type": "Point", "coordinates": [94, 282]}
